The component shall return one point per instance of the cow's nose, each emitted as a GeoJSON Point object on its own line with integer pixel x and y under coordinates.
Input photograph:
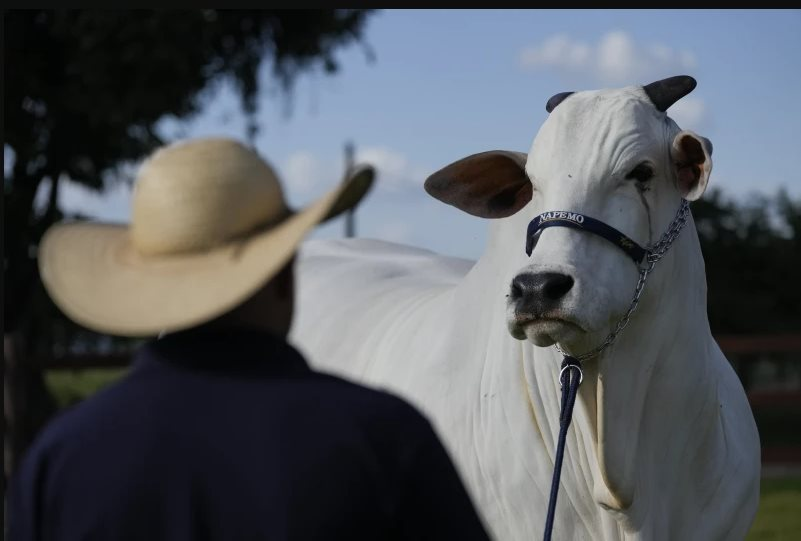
{"type": "Point", "coordinates": [543, 289]}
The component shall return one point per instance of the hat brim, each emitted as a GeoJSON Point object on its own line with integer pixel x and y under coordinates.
{"type": "Point", "coordinates": [97, 278]}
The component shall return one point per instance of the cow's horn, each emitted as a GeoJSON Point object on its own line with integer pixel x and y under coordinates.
{"type": "Point", "coordinates": [668, 91]}
{"type": "Point", "coordinates": [556, 100]}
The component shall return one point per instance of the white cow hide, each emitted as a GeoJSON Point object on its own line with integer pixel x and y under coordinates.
{"type": "Point", "coordinates": [663, 443]}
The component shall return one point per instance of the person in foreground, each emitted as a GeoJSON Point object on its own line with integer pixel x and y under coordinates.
{"type": "Point", "coordinates": [221, 430]}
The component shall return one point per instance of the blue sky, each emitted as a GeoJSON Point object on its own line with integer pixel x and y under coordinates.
{"type": "Point", "coordinates": [448, 83]}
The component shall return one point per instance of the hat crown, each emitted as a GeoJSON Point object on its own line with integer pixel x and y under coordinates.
{"type": "Point", "coordinates": [196, 195]}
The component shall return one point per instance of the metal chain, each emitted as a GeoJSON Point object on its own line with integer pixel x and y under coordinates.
{"type": "Point", "coordinates": [658, 250]}
{"type": "Point", "coordinates": [655, 252]}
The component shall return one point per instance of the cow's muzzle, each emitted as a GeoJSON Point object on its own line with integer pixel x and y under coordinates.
{"type": "Point", "coordinates": [538, 294]}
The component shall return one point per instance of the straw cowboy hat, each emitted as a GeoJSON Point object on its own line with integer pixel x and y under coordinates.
{"type": "Point", "coordinates": [209, 228]}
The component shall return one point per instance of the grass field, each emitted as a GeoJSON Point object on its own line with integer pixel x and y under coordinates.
{"type": "Point", "coordinates": [778, 518]}
{"type": "Point", "coordinates": [69, 387]}
{"type": "Point", "coordinates": [779, 515]}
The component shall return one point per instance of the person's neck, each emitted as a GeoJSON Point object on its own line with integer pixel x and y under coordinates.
{"type": "Point", "coordinates": [225, 325]}
{"type": "Point", "coordinates": [268, 327]}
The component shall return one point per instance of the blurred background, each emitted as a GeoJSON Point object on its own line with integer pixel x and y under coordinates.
{"type": "Point", "coordinates": [88, 94]}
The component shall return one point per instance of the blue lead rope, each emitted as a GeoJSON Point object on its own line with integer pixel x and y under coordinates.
{"type": "Point", "coordinates": [570, 378]}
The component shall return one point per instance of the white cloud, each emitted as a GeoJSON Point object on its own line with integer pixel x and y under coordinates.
{"type": "Point", "coordinates": [394, 171]}
{"type": "Point", "coordinates": [302, 171]}
{"type": "Point", "coordinates": [688, 112]}
{"type": "Point", "coordinates": [556, 51]}
{"type": "Point", "coordinates": [112, 205]}
{"type": "Point", "coordinates": [306, 175]}
{"type": "Point", "coordinates": [615, 59]}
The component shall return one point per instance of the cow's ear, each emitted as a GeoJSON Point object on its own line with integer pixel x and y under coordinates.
{"type": "Point", "coordinates": [490, 184]}
{"type": "Point", "coordinates": [692, 159]}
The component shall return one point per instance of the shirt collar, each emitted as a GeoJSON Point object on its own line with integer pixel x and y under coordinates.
{"type": "Point", "coordinates": [225, 350]}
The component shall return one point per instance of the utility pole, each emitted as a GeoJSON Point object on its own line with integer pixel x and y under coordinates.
{"type": "Point", "coordinates": [350, 218]}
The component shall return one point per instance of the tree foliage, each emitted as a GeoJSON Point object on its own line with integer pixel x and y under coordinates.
{"type": "Point", "coordinates": [83, 93]}
{"type": "Point", "coordinates": [752, 253]}
{"type": "Point", "coordinates": [84, 90]}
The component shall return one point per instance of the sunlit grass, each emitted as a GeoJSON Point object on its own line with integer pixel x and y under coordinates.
{"type": "Point", "coordinates": [779, 514]}
{"type": "Point", "coordinates": [69, 387]}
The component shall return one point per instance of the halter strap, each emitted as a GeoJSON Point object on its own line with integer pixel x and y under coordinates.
{"type": "Point", "coordinates": [585, 223]}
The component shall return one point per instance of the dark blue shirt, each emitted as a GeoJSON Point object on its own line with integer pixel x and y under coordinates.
{"type": "Point", "coordinates": [230, 435]}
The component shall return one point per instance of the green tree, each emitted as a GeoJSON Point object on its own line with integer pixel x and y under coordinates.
{"type": "Point", "coordinates": [752, 253]}
{"type": "Point", "coordinates": [85, 89]}
{"type": "Point", "coordinates": [83, 93]}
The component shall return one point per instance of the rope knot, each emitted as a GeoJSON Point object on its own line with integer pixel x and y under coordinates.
{"type": "Point", "coordinates": [570, 365]}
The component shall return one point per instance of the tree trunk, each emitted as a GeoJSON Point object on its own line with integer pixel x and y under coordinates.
{"type": "Point", "coordinates": [27, 404]}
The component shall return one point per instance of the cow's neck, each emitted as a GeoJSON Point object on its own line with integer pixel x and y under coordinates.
{"type": "Point", "coordinates": [636, 401]}
{"type": "Point", "coordinates": [642, 394]}
{"type": "Point", "coordinates": [651, 365]}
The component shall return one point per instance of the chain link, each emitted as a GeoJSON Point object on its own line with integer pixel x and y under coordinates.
{"type": "Point", "coordinates": [655, 252]}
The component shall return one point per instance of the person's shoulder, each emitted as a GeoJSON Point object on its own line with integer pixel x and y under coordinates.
{"type": "Point", "coordinates": [360, 391]}
{"type": "Point", "coordinates": [376, 403]}
{"type": "Point", "coordinates": [84, 418]}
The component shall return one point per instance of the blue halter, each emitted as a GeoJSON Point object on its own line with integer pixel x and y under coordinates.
{"type": "Point", "coordinates": [584, 223]}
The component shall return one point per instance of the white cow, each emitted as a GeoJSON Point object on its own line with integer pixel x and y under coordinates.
{"type": "Point", "coordinates": [663, 443]}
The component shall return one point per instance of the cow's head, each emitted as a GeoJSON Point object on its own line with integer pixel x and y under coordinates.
{"type": "Point", "coordinates": [613, 155]}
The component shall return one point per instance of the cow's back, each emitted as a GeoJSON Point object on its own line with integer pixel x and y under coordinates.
{"type": "Point", "coordinates": [361, 301]}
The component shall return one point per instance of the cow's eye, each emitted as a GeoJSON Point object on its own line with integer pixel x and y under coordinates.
{"type": "Point", "coordinates": [642, 173]}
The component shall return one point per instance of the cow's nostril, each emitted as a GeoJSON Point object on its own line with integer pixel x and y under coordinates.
{"type": "Point", "coordinates": [542, 289]}
{"type": "Point", "coordinates": [557, 285]}
{"type": "Point", "coordinates": [516, 290]}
